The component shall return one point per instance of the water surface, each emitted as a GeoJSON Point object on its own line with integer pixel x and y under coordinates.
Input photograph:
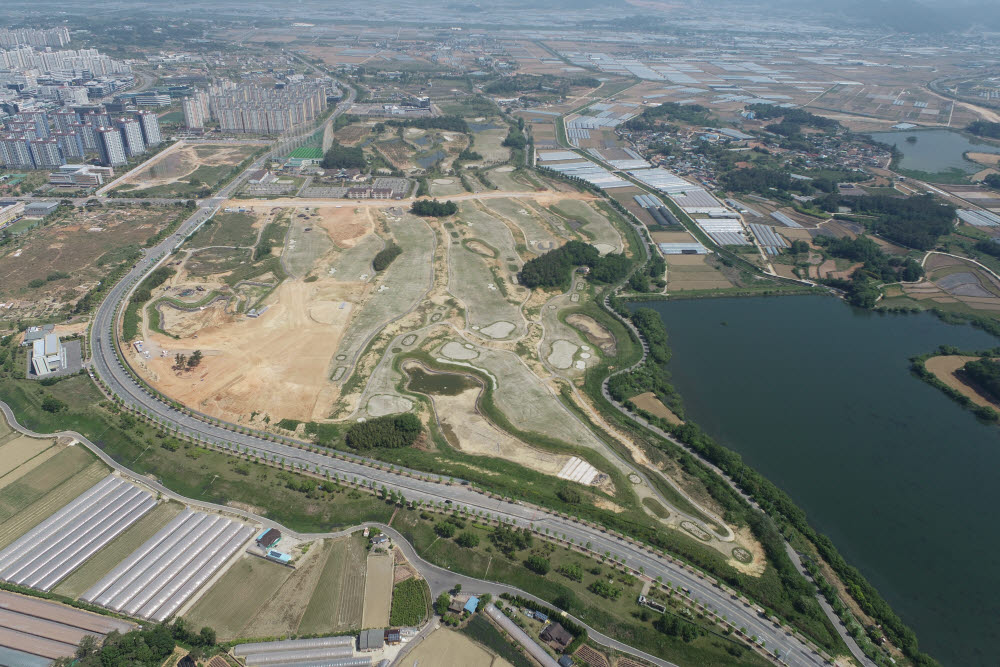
{"type": "Point", "coordinates": [936, 150]}
{"type": "Point", "coordinates": [818, 397]}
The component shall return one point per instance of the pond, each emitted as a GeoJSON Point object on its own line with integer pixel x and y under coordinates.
{"type": "Point", "coordinates": [935, 151]}
{"type": "Point", "coordinates": [819, 398]}
{"type": "Point", "coordinates": [427, 161]}
{"type": "Point", "coordinates": [442, 384]}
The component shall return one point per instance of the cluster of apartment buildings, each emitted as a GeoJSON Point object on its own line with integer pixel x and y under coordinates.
{"type": "Point", "coordinates": [83, 63]}
{"type": "Point", "coordinates": [30, 77]}
{"type": "Point", "coordinates": [32, 37]}
{"type": "Point", "coordinates": [255, 109]}
{"type": "Point", "coordinates": [40, 140]}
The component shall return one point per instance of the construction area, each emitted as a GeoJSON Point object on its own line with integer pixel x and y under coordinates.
{"type": "Point", "coordinates": [184, 170]}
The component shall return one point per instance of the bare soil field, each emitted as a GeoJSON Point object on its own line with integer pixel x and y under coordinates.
{"type": "Point", "coordinates": [86, 245]}
{"type": "Point", "coordinates": [692, 272]}
{"type": "Point", "coordinates": [946, 368]}
{"type": "Point", "coordinates": [447, 647]}
{"type": "Point", "coordinates": [19, 452]}
{"type": "Point", "coordinates": [672, 237]}
{"type": "Point", "coordinates": [650, 403]}
{"type": "Point", "coordinates": [595, 332]}
{"type": "Point", "coordinates": [237, 597]}
{"type": "Point", "coordinates": [185, 170]}
{"type": "Point", "coordinates": [378, 591]}
{"type": "Point", "coordinates": [469, 431]}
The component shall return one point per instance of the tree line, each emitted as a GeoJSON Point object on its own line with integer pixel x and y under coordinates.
{"type": "Point", "coordinates": [448, 123]}
{"type": "Point", "coordinates": [694, 114]}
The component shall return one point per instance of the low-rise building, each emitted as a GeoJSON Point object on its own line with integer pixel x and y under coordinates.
{"type": "Point", "coordinates": [48, 355]}
{"type": "Point", "coordinates": [10, 211]}
{"type": "Point", "coordinates": [371, 640]}
{"type": "Point", "coordinates": [81, 176]}
{"type": "Point", "coordinates": [40, 209]}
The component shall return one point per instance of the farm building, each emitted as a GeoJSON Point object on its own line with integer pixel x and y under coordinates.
{"type": "Point", "coordinates": [48, 355]}
{"type": "Point", "coordinates": [682, 248]}
{"type": "Point", "coordinates": [471, 605]}
{"type": "Point", "coordinates": [330, 651]}
{"type": "Point", "coordinates": [393, 637]}
{"type": "Point", "coordinates": [557, 636]}
{"type": "Point", "coordinates": [371, 640]}
{"type": "Point", "coordinates": [269, 538]}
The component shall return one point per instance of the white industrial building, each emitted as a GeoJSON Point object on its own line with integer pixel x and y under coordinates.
{"type": "Point", "coordinates": [48, 355]}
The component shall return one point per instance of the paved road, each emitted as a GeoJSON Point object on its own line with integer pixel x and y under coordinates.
{"type": "Point", "coordinates": [428, 488]}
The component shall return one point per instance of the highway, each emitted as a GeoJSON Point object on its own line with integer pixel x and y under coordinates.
{"type": "Point", "coordinates": [413, 485]}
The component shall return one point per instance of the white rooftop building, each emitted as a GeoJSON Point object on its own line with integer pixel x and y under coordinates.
{"type": "Point", "coordinates": [48, 355]}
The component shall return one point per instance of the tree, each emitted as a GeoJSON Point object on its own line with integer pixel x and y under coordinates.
{"type": "Point", "coordinates": [445, 529]}
{"type": "Point", "coordinates": [538, 565]}
{"type": "Point", "coordinates": [195, 359]}
{"type": "Point", "coordinates": [53, 404]}
{"type": "Point", "coordinates": [468, 540]}
{"type": "Point", "coordinates": [441, 604]}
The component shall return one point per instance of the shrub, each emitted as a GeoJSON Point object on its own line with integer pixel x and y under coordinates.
{"type": "Point", "coordinates": [390, 432]}
{"type": "Point", "coordinates": [538, 565]}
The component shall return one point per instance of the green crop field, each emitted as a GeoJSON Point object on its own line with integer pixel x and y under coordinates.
{"type": "Point", "coordinates": [410, 602]}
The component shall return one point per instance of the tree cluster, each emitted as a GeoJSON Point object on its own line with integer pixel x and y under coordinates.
{"type": "Point", "coordinates": [878, 267]}
{"type": "Point", "coordinates": [553, 268]}
{"type": "Point", "coordinates": [916, 222]}
{"type": "Point", "coordinates": [797, 117]}
{"type": "Point", "coordinates": [385, 256]}
{"type": "Point", "coordinates": [545, 82]}
{"type": "Point", "coordinates": [344, 157]}
{"type": "Point", "coordinates": [983, 128]}
{"type": "Point", "coordinates": [433, 208]}
{"type": "Point", "coordinates": [694, 114]}
{"type": "Point", "coordinates": [985, 374]}
{"type": "Point", "coordinates": [148, 647]}
{"type": "Point", "coordinates": [508, 540]}
{"type": "Point", "coordinates": [389, 432]}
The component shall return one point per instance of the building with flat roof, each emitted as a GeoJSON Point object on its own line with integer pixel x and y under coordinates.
{"type": "Point", "coordinates": [10, 211]}
{"type": "Point", "coordinates": [40, 209]}
{"type": "Point", "coordinates": [81, 176]}
{"type": "Point", "coordinates": [111, 147]}
{"type": "Point", "coordinates": [48, 355]}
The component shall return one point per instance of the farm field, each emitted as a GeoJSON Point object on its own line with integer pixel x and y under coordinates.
{"type": "Point", "coordinates": [650, 403]}
{"type": "Point", "coordinates": [118, 550]}
{"type": "Point", "coordinates": [325, 603]}
{"type": "Point", "coordinates": [692, 272]}
{"type": "Point", "coordinates": [53, 266]}
{"type": "Point", "coordinates": [19, 453]}
{"type": "Point", "coordinates": [378, 591]}
{"type": "Point", "coordinates": [447, 647]}
{"type": "Point", "coordinates": [185, 171]}
{"type": "Point", "coordinates": [283, 611]}
{"type": "Point", "coordinates": [236, 598]}
{"type": "Point", "coordinates": [488, 142]}
{"type": "Point", "coordinates": [29, 500]}
{"type": "Point", "coordinates": [952, 282]}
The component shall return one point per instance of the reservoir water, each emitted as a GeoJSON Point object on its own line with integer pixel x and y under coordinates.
{"type": "Point", "coordinates": [935, 150]}
{"type": "Point", "coordinates": [818, 397]}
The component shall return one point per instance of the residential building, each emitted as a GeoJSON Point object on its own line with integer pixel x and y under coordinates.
{"type": "Point", "coordinates": [110, 147]}
{"type": "Point", "coordinates": [15, 152]}
{"type": "Point", "coordinates": [70, 145]}
{"type": "Point", "coordinates": [150, 125]}
{"type": "Point", "coordinates": [152, 100]}
{"type": "Point", "coordinates": [45, 153]}
{"type": "Point", "coordinates": [194, 119]}
{"type": "Point", "coordinates": [131, 131]}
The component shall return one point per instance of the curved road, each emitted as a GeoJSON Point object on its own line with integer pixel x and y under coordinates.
{"type": "Point", "coordinates": [425, 487]}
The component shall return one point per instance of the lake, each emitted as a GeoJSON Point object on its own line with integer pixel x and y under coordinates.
{"type": "Point", "coordinates": [818, 397]}
{"type": "Point", "coordinates": [936, 150]}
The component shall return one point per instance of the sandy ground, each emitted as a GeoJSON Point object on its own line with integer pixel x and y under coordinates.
{"type": "Point", "coordinates": [276, 364]}
{"type": "Point", "coordinates": [945, 367]}
{"type": "Point", "coordinates": [594, 331]}
{"type": "Point", "coordinates": [468, 430]}
{"type": "Point", "coordinates": [991, 159]}
{"type": "Point", "coordinates": [447, 647]}
{"type": "Point", "coordinates": [378, 591]}
{"type": "Point", "coordinates": [650, 403]}
{"type": "Point", "coordinates": [178, 163]}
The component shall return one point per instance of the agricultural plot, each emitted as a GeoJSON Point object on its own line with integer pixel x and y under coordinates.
{"type": "Point", "coordinates": [34, 632]}
{"type": "Point", "coordinates": [63, 541]}
{"type": "Point", "coordinates": [692, 272]}
{"type": "Point", "coordinates": [325, 603]}
{"type": "Point", "coordinates": [378, 591]}
{"type": "Point", "coordinates": [29, 500]}
{"type": "Point", "coordinates": [305, 244]}
{"type": "Point", "coordinates": [447, 647]}
{"type": "Point", "coordinates": [238, 596]}
{"type": "Point", "coordinates": [955, 283]}
{"type": "Point", "coordinates": [399, 287]}
{"type": "Point", "coordinates": [538, 236]}
{"type": "Point", "coordinates": [595, 228]}
{"type": "Point", "coordinates": [157, 578]}
{"type": "Point", "coordinates": [20, 452]}
{"type": "Point", "coordinates": [397, 152]}
{"type": "Point", "coordinates": [352, 586]}
{"type": "Point", "coordinates": [284, 610]}
{"type": "Point", "coordinates": [185, 171]}
{"type": "Point", "coordinates": [117, 550]}
{"type": "Point", "coordinates": [53, 266]}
